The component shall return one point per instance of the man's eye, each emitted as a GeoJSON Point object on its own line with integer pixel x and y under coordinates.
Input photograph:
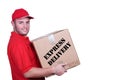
{"type": "Point", "coordinates": [28, 22]}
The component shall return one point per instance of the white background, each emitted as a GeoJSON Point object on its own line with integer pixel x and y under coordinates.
{"type": "Point", "coordinates": [94, 26]}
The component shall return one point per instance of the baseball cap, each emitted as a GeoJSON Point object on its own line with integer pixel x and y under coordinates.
{"type": "Point", "coordinates": [19, 13]}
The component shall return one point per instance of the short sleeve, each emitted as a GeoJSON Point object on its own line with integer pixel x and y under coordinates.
{"type": "Point", "coordinates": [21, 58]}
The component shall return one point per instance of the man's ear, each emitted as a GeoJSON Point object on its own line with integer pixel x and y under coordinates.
{"type": "Point", "coordinates": [13, 24]}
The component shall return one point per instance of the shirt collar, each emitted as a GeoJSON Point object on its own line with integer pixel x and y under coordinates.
{"type": "Point", "coordinates": [18, 36]}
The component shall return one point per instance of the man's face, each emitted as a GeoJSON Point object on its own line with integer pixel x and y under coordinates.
{"type": "Point", "coordinates": [21, 26]}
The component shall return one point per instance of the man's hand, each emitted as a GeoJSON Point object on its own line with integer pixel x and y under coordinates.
{"type": "Point", "coordinates": [59, 69]}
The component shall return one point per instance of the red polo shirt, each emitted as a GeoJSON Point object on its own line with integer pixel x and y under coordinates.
{"type": "Point", "coordinates": [22, 56]}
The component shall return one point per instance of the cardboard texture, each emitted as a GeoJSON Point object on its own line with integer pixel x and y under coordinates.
{"type": "Point", "coordinates": [56, 47]}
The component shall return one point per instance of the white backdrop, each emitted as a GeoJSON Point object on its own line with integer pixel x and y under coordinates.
{"type": "Point", "coordinates": [94, 26]}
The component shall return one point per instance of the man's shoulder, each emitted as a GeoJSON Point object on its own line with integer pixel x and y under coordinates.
{"type": "Point", "coordinates": [16, 42]}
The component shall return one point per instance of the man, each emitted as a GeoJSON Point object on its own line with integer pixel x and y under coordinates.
{"type": "Point", "coordinates": [22, 56]}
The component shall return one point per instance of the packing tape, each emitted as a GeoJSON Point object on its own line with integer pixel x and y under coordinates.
{"type": "Point", "coordinates": [51, 39]}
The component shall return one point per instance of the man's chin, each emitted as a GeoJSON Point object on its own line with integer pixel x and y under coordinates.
{"type": "Point", "coordinates": [24, 34]}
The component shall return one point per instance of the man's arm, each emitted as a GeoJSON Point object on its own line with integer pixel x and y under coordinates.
{"type": "Point", "coordinates": [44, 72]}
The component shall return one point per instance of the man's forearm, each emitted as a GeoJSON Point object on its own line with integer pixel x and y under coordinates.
{"type": "Point", "coordinates": [39, 72]}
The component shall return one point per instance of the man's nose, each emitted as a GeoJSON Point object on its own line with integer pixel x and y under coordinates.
{"type": "Point", "coordinates": [25, 25]}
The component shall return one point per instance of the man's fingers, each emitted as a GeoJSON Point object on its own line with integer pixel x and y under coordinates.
{"type": "Point", "coordinates": [64, 64]}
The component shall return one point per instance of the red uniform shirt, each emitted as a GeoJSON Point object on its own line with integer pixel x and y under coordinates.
{"type": "Point", "coordinates": [22, 56]}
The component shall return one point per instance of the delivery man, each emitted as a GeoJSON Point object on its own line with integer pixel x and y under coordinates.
{"type": "Point", "coordinates": [21, 53]}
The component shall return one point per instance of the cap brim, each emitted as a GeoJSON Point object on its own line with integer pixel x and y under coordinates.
{"type": "Point", "coordinates": [30, 17]}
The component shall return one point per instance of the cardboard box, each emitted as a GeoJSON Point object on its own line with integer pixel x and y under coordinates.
{"type": "Point", "coordinates": [56, 47]}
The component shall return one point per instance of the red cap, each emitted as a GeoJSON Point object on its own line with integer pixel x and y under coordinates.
{"type": "Point", "coordinates": [19, 13]}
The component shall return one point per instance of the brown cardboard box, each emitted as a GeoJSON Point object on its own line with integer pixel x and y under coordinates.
{"type": "Point", "coordinates": [55, 48]}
